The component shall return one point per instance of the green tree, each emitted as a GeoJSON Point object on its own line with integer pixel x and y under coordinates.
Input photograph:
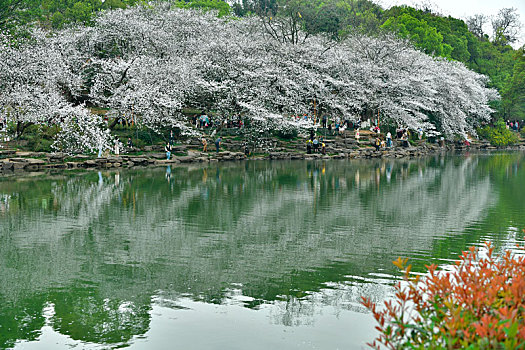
{"type": "Point", "coordinates": [15, 13]}
{"type": "Point", "coordinates": [514, 89]}
{"type": "Point", "coordinates": [420, 33]}
{"type": "Point", "coordinates": [220, 6]}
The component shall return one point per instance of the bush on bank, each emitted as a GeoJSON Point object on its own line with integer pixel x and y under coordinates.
{"type": "Point", "coordinates": [499, 135]}
{"type": "Point", "coordinates": [479, 304]}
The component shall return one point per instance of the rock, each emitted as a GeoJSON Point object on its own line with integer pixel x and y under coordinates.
{"type": "Point", "coordinates": [18, 160]}
{"type": "Point", "coordinates": [180, 149]}
{"type": "Point", "coordinates": [154, 148]}
{"type": "Point", "coordinates": [7, 152]}
{"type": "Point", "coordinates": [31, 167]}
{"type": "Point", "coordinates": [33, 164]}
{"type": "Point", "coordinates": [185, 159]}
{"type": "Point", "coordinates": [56, 157]}
{"type": "Point", "coordinates": [25, 154]}
{"type": "Point", "coordinates": [7, 166]}
{"type": "Point", "coordinates": [138, 160]}
{"type": "Point", "coordinates": [158, 155]}
{"type": "Point", "coordinates": [114, 159]}
{"type": "Point", "coordinates": [81, 156]}
{"type": "Point", "coordinates": [35, 161]}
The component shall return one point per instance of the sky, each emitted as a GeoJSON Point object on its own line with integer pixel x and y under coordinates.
{"type": "Point", "coordinates": [465, 8]}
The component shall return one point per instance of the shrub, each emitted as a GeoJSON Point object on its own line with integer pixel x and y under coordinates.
{"type": "Point", "coordinates": [499, 135]}
{"type": "Point", "coordinates": [39, 137]}
{"type": "Point", "coordinates": [286, 133]}
{"type": "Point", "coordinates": [479, 304]}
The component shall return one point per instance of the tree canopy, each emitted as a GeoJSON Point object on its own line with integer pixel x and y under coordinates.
{"type": "Point", "coordinates": [149, 63]}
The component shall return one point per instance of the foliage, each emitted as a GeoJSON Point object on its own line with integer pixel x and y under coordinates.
{"type": "Point", "coordinates": [222, 7]}
{"type": "Point", "coordinates": [433, 33]}
{"type": "Point", "coordinates": [506, 26]}
{"type": "Point", "coordinates": [499, 135]}
{"type": "Point", "coordinates": [420, 32]}
{"type": "Point", "coordinates": [478, 304]}
{"type": "Point", "coordinates": [286, 133]}
{"type": "Point", "coordinates": [40, 137]}
{"type": "Point", "coordinates": [514, 90]}
{"type": "Point", "coordinates": [148, 64]}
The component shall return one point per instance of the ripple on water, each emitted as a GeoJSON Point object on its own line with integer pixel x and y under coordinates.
{"type": "Point", "coordinates": [280, 252]}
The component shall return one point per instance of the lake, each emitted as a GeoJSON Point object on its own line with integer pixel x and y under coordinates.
{"type": "Point", "coordinates": [247, 255]}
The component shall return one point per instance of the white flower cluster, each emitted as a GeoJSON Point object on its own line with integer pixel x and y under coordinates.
{"type": "Point", "coordinates": [148, 63]}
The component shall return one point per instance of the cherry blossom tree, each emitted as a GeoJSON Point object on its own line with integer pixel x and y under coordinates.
{"type": "Point", "coordinates": [148, 63]}
{"type": "Point", "coordinates": [35, 85]}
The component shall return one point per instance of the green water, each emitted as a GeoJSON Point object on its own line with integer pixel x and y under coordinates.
{"type": "Point", "coordinates": [251, 255]}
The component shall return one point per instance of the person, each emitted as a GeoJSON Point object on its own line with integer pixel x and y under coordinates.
{"type": "Point", "coordinates": [204, 145]}
{"type": "Point", "coordinates": [100, 146]}
{"type": "Point", "coordinates": [172, 139]}
{"type": "Point", "coordinates": [311, 134]}
{"type": "Point", "coordinates": [323, 120]}
{"type": "Point", "coordinates": [330, 128]}
{"type": "Point", "coordinates": [309, 146]}
{"type": "Point", "coordinates": [168, 150]}
{"type": "Point", "coordinates": [388, 139]}
{"type": "Point", "coordinates": [404, 139]}
{"type": "Point", "coordinates": [357, 135]}
{"type": "Point", "coordinates": [246, 149]}
{"type": "Point", "coordinates": [218, 143]}
{"type": "Point", "coordinates": [323, 147]}
{"type": "Point", "coordinates": [117, 148]}
{"type": "Point", "coordinates": [130, 143]}
{"type": "Point", "coordinates": [419, 133]}
{"type": "Point", "coordinates": [377, 143]}
{"type": "Point", "coordinates": [316, 145]}
{"type": "Point", "coordinates": [202, 121]}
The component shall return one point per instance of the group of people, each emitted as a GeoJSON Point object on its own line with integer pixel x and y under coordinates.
{"type": "Point", "coordinates": [169, 146]}
{"type": "Point", "coordinates": [315, 145]}
{"type": "Point", "coordinates": [379, 143]}
{"type": "Point", "coordinates": [514, 125]}
{"type": "Point", "coordinates": [204, 121]}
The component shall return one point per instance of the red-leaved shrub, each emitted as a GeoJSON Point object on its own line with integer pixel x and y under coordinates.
{"type": "Point", "coordinates": [479, 304]}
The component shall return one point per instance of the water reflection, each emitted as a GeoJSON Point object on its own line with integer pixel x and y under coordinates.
{"type": "Point", "coordinates": [91, 255]}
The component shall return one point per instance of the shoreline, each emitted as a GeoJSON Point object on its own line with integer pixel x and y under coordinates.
{"type": "Point", "coordinates": [12, 161]}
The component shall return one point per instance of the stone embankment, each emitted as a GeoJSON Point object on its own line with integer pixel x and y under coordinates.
{"type": "Point", "coordinates": [11, 160]}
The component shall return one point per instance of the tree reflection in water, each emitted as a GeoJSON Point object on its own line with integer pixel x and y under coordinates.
{"type": "Point", "coordinates": [103, 248]}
